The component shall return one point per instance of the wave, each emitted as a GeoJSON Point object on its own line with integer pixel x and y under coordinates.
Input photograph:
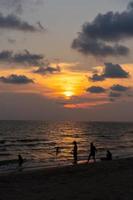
{"type": "Point", "coordinates": [2, 141]}
{"type": "Point", "coordinates": [5, 154]}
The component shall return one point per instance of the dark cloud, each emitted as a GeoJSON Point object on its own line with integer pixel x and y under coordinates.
{"type": "Point", "coordinates": [47, 70]}
{"type": "Point", "coordinates": [119, 88]}
{"type": "Point", "coordinates": [130, 5]}
{"type": "Point", "coordinates": [101, 37]}
{"type": "Point", "coordinates": [110, 71]}
{"type": "Point", "coordinates": [96, 77]}
{"type": "Point", "coordinates": [27, 58]}
{"type": "Point", "coordinates": [97, 48]}
{"type": "Point", "coordinates": [16, 79]}
{"type": "Point", "coordinates": [114, 94]}
{"type": "Point", "coordinates": [114, 71]}
{"type": "Point", "coordinates": [24, 58]}
{"type": "Point", "coordinates": [95, 89]}
{"type": "Point", "coordinates": [5, 56]}
{"type": "Point", "coordinates": [15, 23]}
{"type": "Point", "coordinates": [18, 6]}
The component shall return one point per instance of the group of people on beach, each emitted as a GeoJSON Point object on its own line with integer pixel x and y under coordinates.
{"type": "Point", "coordinates": [92, 154]}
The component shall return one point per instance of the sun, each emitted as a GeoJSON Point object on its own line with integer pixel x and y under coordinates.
{"type": "Point", "coordinates": [68, 93]}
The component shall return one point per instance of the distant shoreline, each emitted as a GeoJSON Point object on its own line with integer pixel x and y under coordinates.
{"type": "Point", "coordinates": [44, 120]}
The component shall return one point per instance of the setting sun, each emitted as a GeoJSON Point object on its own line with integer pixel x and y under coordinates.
{"type": "Point", "coordinates": [68, 93]}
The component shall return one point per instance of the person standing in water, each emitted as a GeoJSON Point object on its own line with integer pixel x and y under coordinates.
{"type": "Point", "coordinates": [20, 161]}
{"type": "Point", "coordinates": [108, 155]}
{"type": "Point", "coordinates": [75, 152]}
{"type": "Point", "coordinates": [57, 149]}
{"type": "Point", "coordinates": [92, 152]}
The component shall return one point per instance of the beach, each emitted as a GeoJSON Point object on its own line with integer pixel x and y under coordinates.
{"type": "Point", "coordinates": [112, 180]}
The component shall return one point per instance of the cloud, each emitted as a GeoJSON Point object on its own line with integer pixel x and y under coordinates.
{"type": "Point", "coordinates": [16, 79]}
{"type": "Point", "coordinates": [95, 89]}
{"type": "Point", "coordinates": [110, 71]}
{"type": "Point", "coordinates": [5, 56]}
{"type": "Point", "coordinates": [14, 5]}
{"type": "Point", "coordinates": [114, 94]}
{"type": "Point", "coordinates": [101, 37]}
{"type": "Point", "coordinates": [41, 26]}
{"type": "Point", "coordinates": [96, 77]}
{"type": "Point", "coordinates": [97, 48]}
{"type": "Point", "coordinates": [47, 70]}
{"type": "Point", "coordinates": [18, 6]}
{"type": "Point", "coordinates": [13, 22]}
{"type": "Point", "coordinates": [119, 88]}
{"type": "Point", "coordinates": [24, 58]}
{"type": "Point", "coordinates": [114, 71]}
{"type": "Point", "coordinates": [27, 58]}
{"type": "Point", "coordinates": [130, 5]}
{"type": "Point", "coordinates": [37, 107]}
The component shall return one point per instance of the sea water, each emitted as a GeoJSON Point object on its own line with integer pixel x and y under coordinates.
{"type": "Point", "coordinates": [36, 141]}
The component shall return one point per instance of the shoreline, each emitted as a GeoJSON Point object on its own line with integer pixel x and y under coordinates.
{"type": "Point", "coordinates": [104, 180]}
{"type": "Point", "coordinates": [81, 163]}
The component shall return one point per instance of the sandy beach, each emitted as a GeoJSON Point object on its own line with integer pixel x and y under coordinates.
{"type": "Point", "coordinates": [112, 180]}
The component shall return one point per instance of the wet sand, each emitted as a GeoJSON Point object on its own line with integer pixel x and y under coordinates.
{"type": "Point", "coordinates": [106, 180]}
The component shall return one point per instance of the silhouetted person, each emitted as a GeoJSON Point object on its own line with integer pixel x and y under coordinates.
{"type": "Point", "coordinates": [75, 152]}
{"type": "Point", "coordinates": [57, 150]}
{"type": "Point", "coordinates": [108, 155]}
{"type": "Point", "coordinates": [92, 152]}
{"type": "Point", "coordinates": [20, 160]}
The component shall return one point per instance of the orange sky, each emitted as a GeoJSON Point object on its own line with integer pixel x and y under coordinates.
{"type": "Point", "coordinates": [66, 85]}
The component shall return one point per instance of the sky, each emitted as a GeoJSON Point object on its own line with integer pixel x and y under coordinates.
{"type": "Point", "coordinates": [66, 60]}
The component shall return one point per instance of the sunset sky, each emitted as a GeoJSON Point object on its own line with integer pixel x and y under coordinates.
{"type": "Point", "coordinates": [66, 60]}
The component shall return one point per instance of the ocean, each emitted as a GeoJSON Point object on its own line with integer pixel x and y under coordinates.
{"type": "Point", "coordinates": [36, 141]}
